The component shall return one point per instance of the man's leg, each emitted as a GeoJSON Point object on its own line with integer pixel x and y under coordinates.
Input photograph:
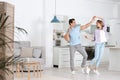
{"type": "Point", "coordinates": [72, 54]}
{"type": "Point", "coordinates": [82, 51]}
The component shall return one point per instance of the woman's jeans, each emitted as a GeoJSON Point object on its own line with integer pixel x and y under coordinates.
{"type": "Point", "coordinates": [99, 50]}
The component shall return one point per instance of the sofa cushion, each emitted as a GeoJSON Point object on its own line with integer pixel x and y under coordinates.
{"type": "Point", "coordinates": [17, 52]}
{"type": "Point", "coordinates": [37, 53]}
{"type": "Point", "coordinates": [26, 52]}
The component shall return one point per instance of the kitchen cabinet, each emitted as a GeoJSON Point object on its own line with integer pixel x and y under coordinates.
{"type": "Point", "coordinates": [114, 59]}
{"type": "Point", "coordinates": [59, 29]}
{"type": "Point", "coordinates": [61, 57]}
{"type": "Point", "coordinates": [63, 25]}
{"type": "Point", "coordinates": [105, 57]}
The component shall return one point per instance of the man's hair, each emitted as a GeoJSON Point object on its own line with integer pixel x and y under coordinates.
{"type": "Point", "coordinates": [71, 20]}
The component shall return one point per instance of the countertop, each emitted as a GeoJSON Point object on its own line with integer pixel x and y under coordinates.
{"type": "Point", "coordinates": [115, 47]}
{"type": "Point", "coordinates": [67, 46]}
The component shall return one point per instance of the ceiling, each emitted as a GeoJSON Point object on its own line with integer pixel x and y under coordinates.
{"type": "Point", "coordinates": [114, 0]}
{"type": "Point", "coordinates": [108, 1]}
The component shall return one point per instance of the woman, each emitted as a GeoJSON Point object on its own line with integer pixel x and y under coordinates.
{"type": "Point", "coordinates": [100, 39]}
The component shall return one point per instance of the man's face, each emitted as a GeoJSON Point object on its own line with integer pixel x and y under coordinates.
{"type": "Point", "coordinates": [73, 23]}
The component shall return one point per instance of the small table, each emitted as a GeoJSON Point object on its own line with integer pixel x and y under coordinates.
{"type": "Point", "coordinates": [35, 65]}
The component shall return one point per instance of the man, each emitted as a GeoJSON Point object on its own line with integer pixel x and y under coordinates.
{"type": "Point", "coordinates": [73, 36]}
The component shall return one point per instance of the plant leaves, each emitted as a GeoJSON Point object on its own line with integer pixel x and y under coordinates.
{"type": "Point", "coordinates": [1, 15]}
{"type": "Point", "coordinates": [22, 30]}
{"type": "Point", "coordinates": [4, 21]}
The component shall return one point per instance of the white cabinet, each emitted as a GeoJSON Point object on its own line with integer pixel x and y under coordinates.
{"type": "Point", "coordinates": [114, 59]}
{"type": "Point", "coordinates": [105, 57]}
{"type": "Point", "coordinates": [61, 57]}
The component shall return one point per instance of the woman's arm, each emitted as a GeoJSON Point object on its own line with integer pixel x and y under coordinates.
{"type": "Point", "coordinates": [89, 38]}
{"type": "Point", "coordinates": [88, 24]}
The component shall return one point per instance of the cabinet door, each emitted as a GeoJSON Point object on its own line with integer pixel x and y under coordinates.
{"type": "Point", "coordinates": [105, 57]}
{"type": "Point", "coordinates": [78, 56]}
{"type": "Point", "coordinates": [64, 51]}
{"type": "Point", "coordinates": [78, 63]}
{"type": "Point", "coordinates": [55, 56]}
{"type": "Point", "coordinates": [65, 57]}
{"type": "Point", "coordinates": [66, 64]}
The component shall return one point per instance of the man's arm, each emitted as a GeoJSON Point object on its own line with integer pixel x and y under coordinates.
{"type": "Point", "coordinates": [66, 36]}
{"type": "Point", "coordinates": [88, 24]}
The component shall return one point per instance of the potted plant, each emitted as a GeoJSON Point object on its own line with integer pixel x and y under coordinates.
{"type": "Point", "coordinates": [5, 40]}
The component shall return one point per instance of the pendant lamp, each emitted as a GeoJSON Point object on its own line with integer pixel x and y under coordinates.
{"type": "Point", "coordinates": [55, 20]}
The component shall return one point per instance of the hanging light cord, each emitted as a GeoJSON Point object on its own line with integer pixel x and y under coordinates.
{"type": "Point", "coordinates": [55, 7]}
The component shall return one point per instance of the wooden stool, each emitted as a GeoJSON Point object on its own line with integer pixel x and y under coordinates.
{"type": "Point", "coordinates": [36, 68]}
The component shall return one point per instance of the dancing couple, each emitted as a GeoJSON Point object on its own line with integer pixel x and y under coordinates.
{"type": "Point", "coordinates": [73, 36]}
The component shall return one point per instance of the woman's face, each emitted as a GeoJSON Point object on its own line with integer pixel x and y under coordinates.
{"type": "Point", "coordinates": [98, 25]}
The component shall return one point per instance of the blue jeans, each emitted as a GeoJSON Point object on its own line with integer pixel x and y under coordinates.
{"type": "Point", "coordinates": [99, 50]}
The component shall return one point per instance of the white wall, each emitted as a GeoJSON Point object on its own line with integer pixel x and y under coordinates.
{"type": "Point", "coordinates": [115, 11]}
{"type": "Point", "coordinates": [119, 10]}
{"type": "Point", "coordinates": [35, 17]}
{"type": "Point", "coordinates": [115, 26]}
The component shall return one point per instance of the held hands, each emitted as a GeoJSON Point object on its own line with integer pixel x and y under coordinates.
{"type": "Point", "coordinates": [93, 19]}
{"type": "Point", "coordinates": [87, 37]}
{"type": "Point", "coordinates": [99, 17]}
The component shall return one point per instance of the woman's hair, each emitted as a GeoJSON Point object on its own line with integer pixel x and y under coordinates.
{"type": "Point", "coordinates": [71, 20]}
{"type": "Point", "coordinates": [101, 23]}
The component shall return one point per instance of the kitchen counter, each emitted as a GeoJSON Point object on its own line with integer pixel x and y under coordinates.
{"type": "Point", "coordinates": [110, 46]}
{"type": "Point", "coordinates": [88, 46]}
{"type": "Point", "coordinates": [114, 47]}
{"type": "Point", "coordinates": [114, 58]}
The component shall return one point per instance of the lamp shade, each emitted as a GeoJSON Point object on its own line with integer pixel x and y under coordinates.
{"type": "Point", "coordinates": [55, 20]}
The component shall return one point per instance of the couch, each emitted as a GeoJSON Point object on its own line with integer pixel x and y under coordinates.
{"type": "Point", "coordinates": [24, 50]}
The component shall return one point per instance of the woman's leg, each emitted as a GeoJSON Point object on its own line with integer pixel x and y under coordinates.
{"type": "Point", "coordinates": [96, 55]}
{"type": "Point", "coordinates": [101, 50]}
{"type": "Point", "coordinates": [102, 46]}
